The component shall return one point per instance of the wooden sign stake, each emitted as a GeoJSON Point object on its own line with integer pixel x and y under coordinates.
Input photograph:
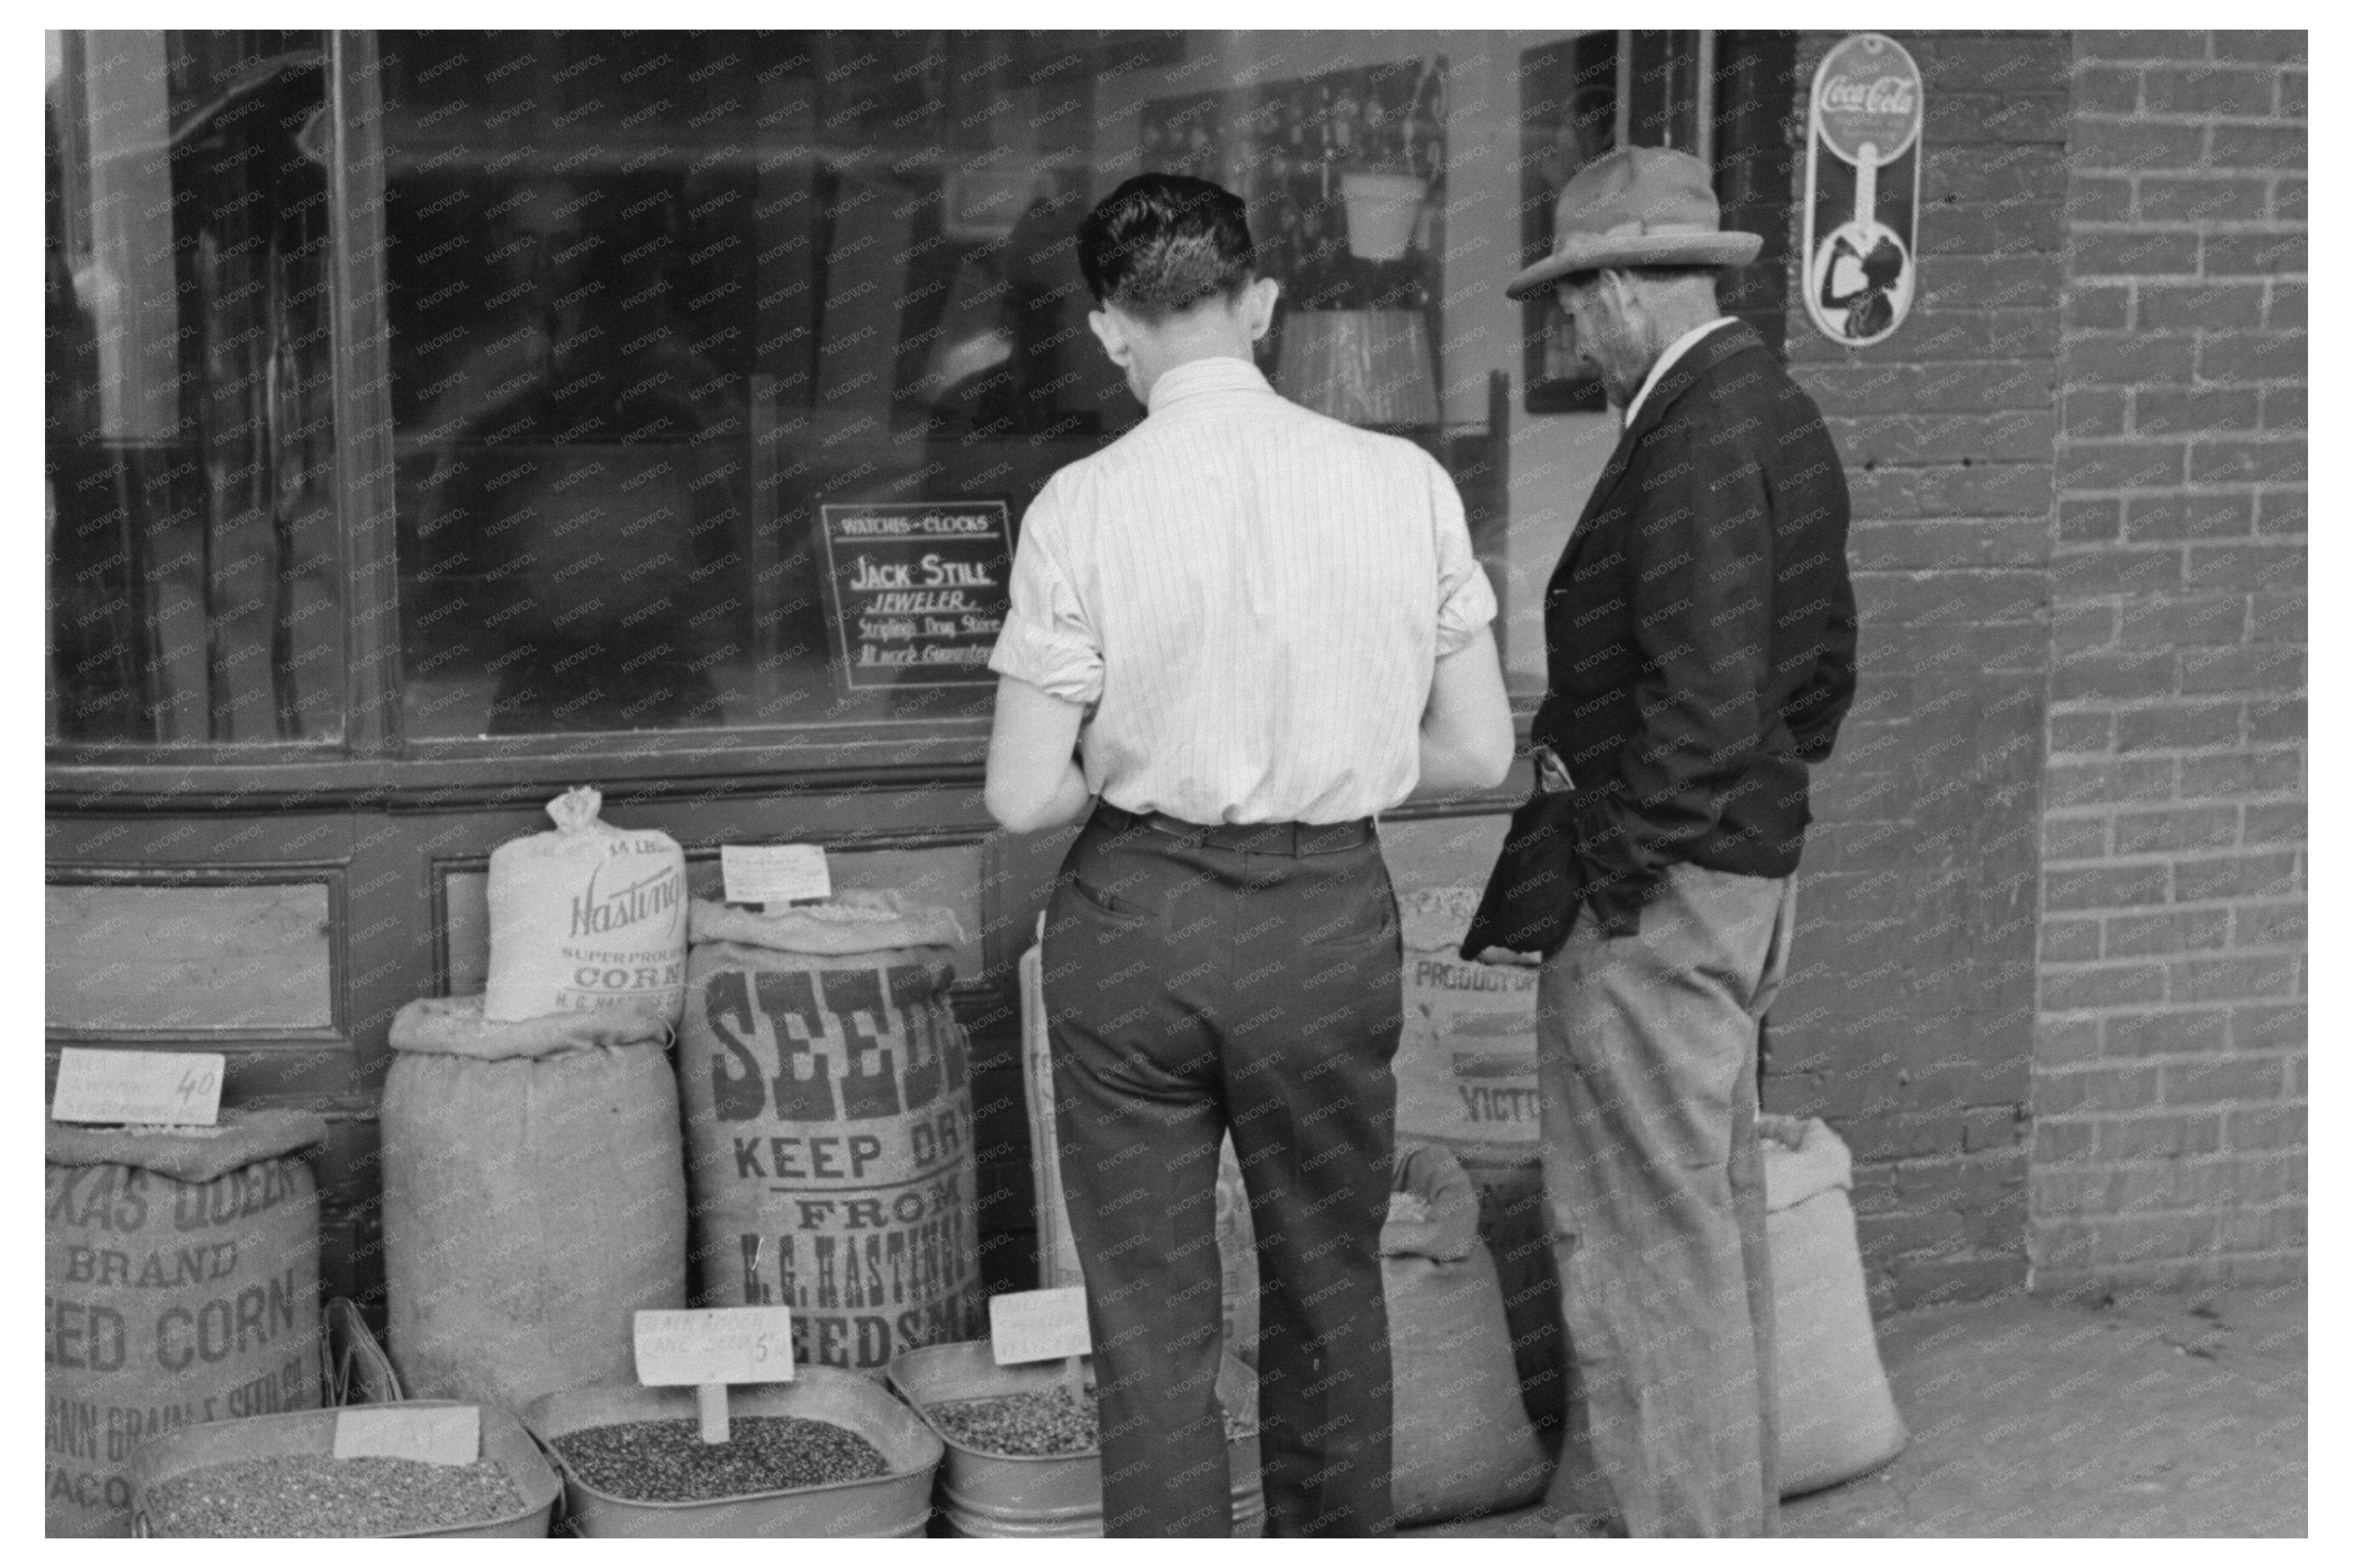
{"type": "Point", "coordinates": [711, 1404]}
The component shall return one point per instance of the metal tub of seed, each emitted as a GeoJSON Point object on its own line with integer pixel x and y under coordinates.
{"type": "Point", "coordinates": [278, 1476]}
{"type": "Point", "coordinates": [828, 1454]}
{"type": "Point", "coordinates": [1022, 1459]}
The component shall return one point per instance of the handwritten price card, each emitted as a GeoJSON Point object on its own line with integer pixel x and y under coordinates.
{"type": "Point", "coordinates": [181, 1088]}
{"type": "Point", "coordinates": [436, 1435]}
{"type": "Point", "coordinates": [715, 1345]}
{"type": "Point", "coordinates": [1038, 1325]}
{"type": "Point", "coordinates": [774, 873]}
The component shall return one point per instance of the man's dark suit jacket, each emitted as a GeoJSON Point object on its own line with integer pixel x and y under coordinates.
{"type": "Point", "coordinates": [1699, 631]}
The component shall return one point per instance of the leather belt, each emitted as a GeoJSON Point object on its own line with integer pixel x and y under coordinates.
{"type": "Point", "coordinates": [1253, 838]}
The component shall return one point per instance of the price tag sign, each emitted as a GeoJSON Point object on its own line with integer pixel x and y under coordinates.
{"type": "Point", "coordinates": [773, 873]}
{"type": "Point", "coordinates": [437, 1435]}
{"type": "Point", "coordinates": [159, 1087]}
{"type": "Point", "coordinates": [1038, 1325]}
{"type": "Point", "coordinates": [715, 1345]}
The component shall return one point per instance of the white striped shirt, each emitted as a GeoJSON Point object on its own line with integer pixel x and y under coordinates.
{"type": "Point", "coordinates": [1250, 598]}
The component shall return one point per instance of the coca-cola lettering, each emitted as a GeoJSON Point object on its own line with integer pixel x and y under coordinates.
{"type": "Point", "coordinates": [1887, 95]}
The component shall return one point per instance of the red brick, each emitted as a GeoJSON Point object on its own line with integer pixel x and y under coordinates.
{"type": "Point", "coordinates": [2105, 887]}
{"type": "Point", "coordinates": [2182, 828]}
{"type": "Point", "coordinates": [2282, 824]}
{"type": "Point", "coordinates": [2077, 625]}
{"type": "Point", "coordinates": [2087, 573]}
{"type": "Point", "coordinates": [2289, 308]}
{"type": "Point", "coordinates": [2257, 147]}
{"type": "Point", "coordinates": [2252, 773]}
{"type": "Point", "coordinates": [2120, 677]}
{"type": "Point", "coordinates": [2290, 199]}
{"type": "Point", "coordinates": [2108, 90]}
{"type": "Point", "coordinates": [2068, 941]}
{"type": "Point", "coordinates": [2253, 357]}
{"type": "Point", "coordinates": [2012, 173]}
{"type": "Point", "coordinates": [2172, 1032]}
{"type": "Point", "coordinates": [2172, 410]}
{"type": "Point", "coordinates": [2224, 1078]}
{"type": "Point", "coordinates": [2266, 1127]}
{"type": "Point", "coordinates": [2201, 199]}
{"type": "Point", "coordinates": [2059, 1142]}
{"type": "Point", "coordinates": [2134, 360]}
{"type": "Point", "coordinates": [1962, 61]}
{"type": "Point", "coordinates": [2294, 100]}
{"type": "Point", "coordinates": [2094, 411]}
{"type": "Point", "coordinates": [2174, 621]}
{"type": "Point", "coordinates": [2254, 568]}
{"type": "Point", "coordinates": [2079, 990]}
{"type": "Point", "coordinates": [2175, 931]}
{"type": "Point", "coordinates": [2082, 731]}
{"type": "Point", "coordinates": [2088, 1090]}
{"type": "Point", "coordinates": [2226, 461]}
{"type": "Point", "coordinates": [2274, 719]}
{"type": "Point", "coordinates": [2096, 307]}
{"type": "Point", "coordinates": [2133, 252]}
{"type": "Point", "coordinates": [2278, 978]}
{"type": "Point", "coordinates": [2286, 408]}
{"type": "Point", "coordinates": [2091, 522]}
{"type": "Point", "coordinates": [2265, 875]}
{"type": "Point", "coordinates": [2254, 255]}
{"type": "Point", "coordinates": [2160, 1135]}
{"type": "Point", "coordinates": [2282, 510]}
{"type": "Point", "coordinates": [2255, 666]}
{"type": "Point", "coordinates": [1989, 282]}
{"type": "Point", "coordinates": [2135, 145]}
{"type": "Point", "coordinates": [2106, 199]}
{"type": "Point", "coordinates": [2269, 925]}
{"type": "Point", "coordinates": [2271, 1027]}
{"type": "Point", "coordinates": [2187, 514]}
{"type": "Point", "coordinates": [2285, 47]}
{"type": "Point", "coordinates": [2175, 726]}
{"type": "Point", "coordinates": [2120, 465]}
{"type": "Point", "coordinates": [2242, 91]}
{"type": "Point", "coordinates": [2213, 307]}
{"type": "Point", "coordinates": [2070, 784]}
{"type": "Point", "coordinates": [2140, 43]}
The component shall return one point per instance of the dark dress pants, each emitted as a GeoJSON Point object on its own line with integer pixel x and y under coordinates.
{"type": "Point", "coordinates": [1194, 986]}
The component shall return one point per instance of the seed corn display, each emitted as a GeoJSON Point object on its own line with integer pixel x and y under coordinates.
{"type": "Point", "coordinates": [668, 1461]}
{"type": "Point", "coordinates": [1046, 1422]}
{"type": "Point", "coordinates": [312, 1494]}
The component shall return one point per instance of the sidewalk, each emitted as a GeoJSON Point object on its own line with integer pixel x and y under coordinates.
{"type": "Point", "coordinates": [2158, 1414]}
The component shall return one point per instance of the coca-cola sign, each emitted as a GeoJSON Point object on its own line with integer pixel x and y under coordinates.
{"type": "Point", "coordinates": [1867, 95]}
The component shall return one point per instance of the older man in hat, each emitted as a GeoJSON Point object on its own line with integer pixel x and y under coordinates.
{"type": "Point", "coordinates": [1699, 635]}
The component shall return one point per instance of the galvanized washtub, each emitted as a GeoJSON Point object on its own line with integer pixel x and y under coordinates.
{"type": "Point", "coordinates": [160, 1459]}
{"type": "Point", "coordinates": [897, 1503]}
{"type": "Point", "coordinates": [987, 1494]}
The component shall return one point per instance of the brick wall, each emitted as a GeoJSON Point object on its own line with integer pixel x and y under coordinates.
{"type": "Point", "coordinates": [1908, 1021]}
{"type": "Point", "coordinates": [2169, 1074]}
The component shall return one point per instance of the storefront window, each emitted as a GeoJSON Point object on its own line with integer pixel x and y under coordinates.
{"type": "Point", "coordinates": [721, 366]}
{"type": "Point", "coordinates": [724, 365]}
{"type": "Point", "coordinates": [194, 570]}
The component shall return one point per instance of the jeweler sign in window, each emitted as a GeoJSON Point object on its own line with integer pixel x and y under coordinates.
{"type": "Point", "coordinates": [915, 592]}
{"type": "Point", "coordinates": [1862, 190]}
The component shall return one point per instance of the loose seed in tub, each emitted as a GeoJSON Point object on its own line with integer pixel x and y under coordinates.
{"type": "Point", "coordinates": [313, 1494]}
{"type": "Point", "coordinates": [668, 1461]}
{"type": "Point", "coordinates": [1040, 1424]}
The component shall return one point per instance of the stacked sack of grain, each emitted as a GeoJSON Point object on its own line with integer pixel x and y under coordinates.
{"type": "Point", "coordinates": [828, 1098]}
{"type": "Point", "coordinates": [183, 1275]}
{"type": "Point", "coordinates": [534, 1195]}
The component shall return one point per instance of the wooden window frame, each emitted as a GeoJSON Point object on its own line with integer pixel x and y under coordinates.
{"type": "Point", "coordinates": [375, 764]}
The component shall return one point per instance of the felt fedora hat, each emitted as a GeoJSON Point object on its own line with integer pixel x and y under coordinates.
{"type": "Point", "coordinates": [1637, 207]}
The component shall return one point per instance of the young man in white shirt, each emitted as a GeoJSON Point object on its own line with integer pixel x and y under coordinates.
{"type": "Point", "coordinates": [1259, 627]}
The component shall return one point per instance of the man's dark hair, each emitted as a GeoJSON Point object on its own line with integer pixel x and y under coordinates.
{"type": "Point", "coordinates": [1162, 243]}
